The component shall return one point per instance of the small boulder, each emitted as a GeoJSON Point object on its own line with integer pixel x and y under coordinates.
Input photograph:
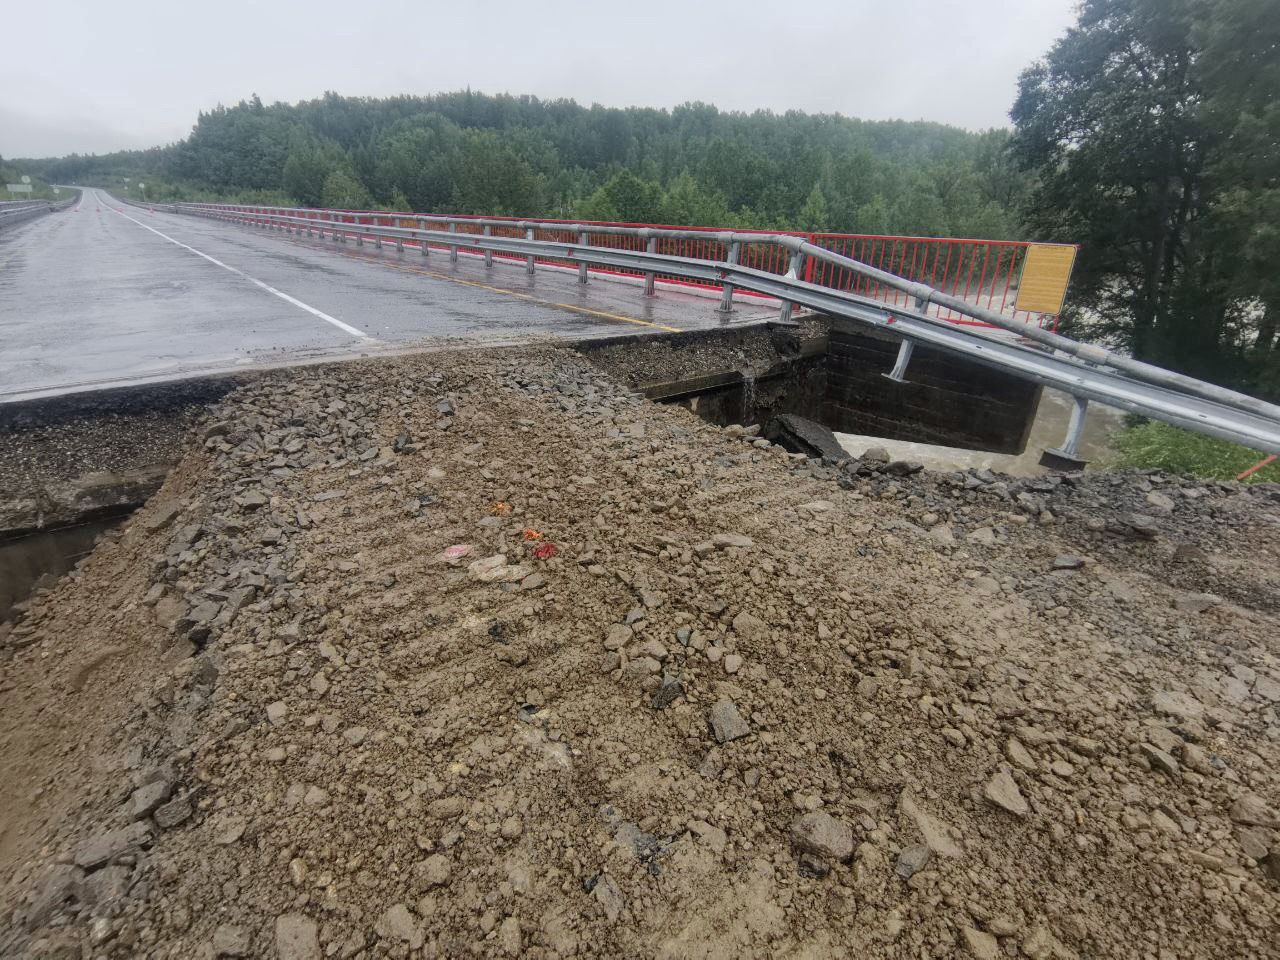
{"type": "Point", "coordinates": [1003, 791]}
{"type": "Point", "coordinates": [821, 834]}
{"type": "Point", "coordinates": [726, 722]}
{"type": "Point", "coordinates": [297, 937]}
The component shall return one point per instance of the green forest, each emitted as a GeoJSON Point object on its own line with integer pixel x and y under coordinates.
{"type": "Point", "coordinates": [468, 152]}
{"type": "Point", "coordinates": [13, 173]}
{"type": "Point", "coordinates": [1149, 134]}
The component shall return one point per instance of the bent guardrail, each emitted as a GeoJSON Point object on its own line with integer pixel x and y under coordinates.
{"type": "Point", "coordinates": [1085, 371]}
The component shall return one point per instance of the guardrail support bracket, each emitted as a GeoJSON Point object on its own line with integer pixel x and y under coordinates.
{"type": "Point", "coordinates": [726, 296]}
{"type": "Point", "coordinates": [899, 372]}
{"type": "Point", "coordinates": [1067, 456]}
{"type": "Point", "coordinates": [650, 247]}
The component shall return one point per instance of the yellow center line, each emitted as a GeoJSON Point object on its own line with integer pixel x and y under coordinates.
{"type": "Point", "coordinates": [511, 293]}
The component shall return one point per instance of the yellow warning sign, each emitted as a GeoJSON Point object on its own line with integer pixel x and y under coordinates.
{"type": "Point", "coordinates": [1045, 275]}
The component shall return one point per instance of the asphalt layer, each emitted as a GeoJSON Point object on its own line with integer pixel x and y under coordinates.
{"type": "Point", "coordinates": [107, 294]}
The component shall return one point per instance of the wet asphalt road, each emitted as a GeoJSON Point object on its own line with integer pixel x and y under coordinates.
{"type": "Point", "coordinates": [107, 294]}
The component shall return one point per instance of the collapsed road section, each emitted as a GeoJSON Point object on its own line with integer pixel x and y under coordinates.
{"type": "Point", "coordinates": [485, 655]}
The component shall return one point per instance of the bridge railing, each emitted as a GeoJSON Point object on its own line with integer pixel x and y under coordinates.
{"type": "Point", "coordinates": [985, 273]}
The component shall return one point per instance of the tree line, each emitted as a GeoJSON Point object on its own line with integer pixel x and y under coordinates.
{"type": "Point", "coordinates": [468, 152]}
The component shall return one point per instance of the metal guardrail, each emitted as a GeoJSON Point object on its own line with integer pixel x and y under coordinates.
{"type": "Point", "coordinates": [13, 212]}
{"type": "Point", "coordinates": [983, 272]}
{"type": "Point", "coordinates": [1085, 371]}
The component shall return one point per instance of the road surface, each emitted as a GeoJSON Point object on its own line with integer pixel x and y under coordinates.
{"type": "Point", "coordinates": [108, 294]}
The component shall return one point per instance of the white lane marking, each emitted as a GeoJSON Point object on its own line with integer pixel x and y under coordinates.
{"type": "Point", "coordinates": [256, 282]}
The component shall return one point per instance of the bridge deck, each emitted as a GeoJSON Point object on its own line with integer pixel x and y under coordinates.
{"type": "Point", "coordinates": [107, 294]}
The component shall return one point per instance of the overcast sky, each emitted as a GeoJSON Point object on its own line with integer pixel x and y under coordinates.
{"type": "Point", "coordinates": [107, 74]}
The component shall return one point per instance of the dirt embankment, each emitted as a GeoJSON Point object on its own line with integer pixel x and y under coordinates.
{"type": "Point", "coordinates": [472, 655]}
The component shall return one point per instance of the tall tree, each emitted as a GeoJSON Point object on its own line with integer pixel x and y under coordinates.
{"type": "Point", "coordinates": [1240, 70]}
{"type": "Point", "coordinates": [1131, 165]}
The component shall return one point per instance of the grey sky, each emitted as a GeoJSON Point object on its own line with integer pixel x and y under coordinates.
{"type": "Point", "coordinates": [108, 74]}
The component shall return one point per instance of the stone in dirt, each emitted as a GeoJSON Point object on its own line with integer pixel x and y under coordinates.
{"type": "Point", "coordinates": [172, 814]}
{"type": "Point", "coordinates": [51, 890]}
{"type": "Point", "coordinates": [749, 626]}
{"type": "Point", "coordinates": [230, 941]}
{"type": "Point", "coordinates": [434, 871]}
{"type": "Point", "coordinates": [1160, 760]}
{"type": "Point", "coordinates": [1177, 704]}
{"type": "Point", "coordinates": [1003, 791]}
{"type": "Point", "coordinates": [799, 435]}
{"type": "Point", "coordinates": [981, 944]}
{"type": "Point", "coordinates": [606, 893]}
{"type": "Point", "coordinates": [494, 569]}
{"type": "Point", "coordinates": [726, 722]}
{"type": "Point", "coordinates": [912, 860]}
{"type": "Point", "coordinates": [937, 835]}
{"type": "Point", "coordinates": [110, 844]}
{"type": "Point", "coordinates": [148, 797]}
{"type": "Point", "coordinates": [297, 937]}
{"type": "Point", "coordinates": [1253, 811]}
{"type": "Point", "coordinates": [397, 923]}
{"type": "Point", "coordinates": [822, 834]}
{"type": "Point", "coordinates": [669, 690]}
{"type": "Point", "coordinates": [509, 937]}
{"type": "Point", "coordinates": [817, 506]}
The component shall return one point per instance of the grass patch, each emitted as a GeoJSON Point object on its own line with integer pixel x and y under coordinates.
{"type": "Point", "coordinates": [1152, 444]}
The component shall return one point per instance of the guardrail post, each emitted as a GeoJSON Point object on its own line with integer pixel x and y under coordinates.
{"type": "Point", "coordinates": [582, 267]}
{"type": "Point", "coordinates": [426, 247]}
{"type": "Point", "coordinates": [377, 240]}
{"type": "Point", "coordinates": [529, 265]}
{"type": "Point", "coordinates": [400, 244]}
{"type": "Point", "coordinates": [650, 276]}
{"type": "Point", "coordinates": [488, 254]}
{"type": "Point", "coordinates": [898, 373]}
{"type": "Point", "coordinates": [726, 296]}
{"type": "Point", "coordinates": [793, 271]}
{"type": "Point", "coordinates": [453, 247]}
{"type": "Point", "coordinates": [1067, 456]}
{"type": "Point", "coordinates": [905, 348]}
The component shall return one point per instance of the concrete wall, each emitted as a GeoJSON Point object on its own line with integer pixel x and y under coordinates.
{"type": "Point", "coordinates": [830, 373]}
{"type": "Point", "coordinates": [946, 400]}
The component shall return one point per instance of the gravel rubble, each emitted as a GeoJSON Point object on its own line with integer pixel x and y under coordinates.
{"type": "Point", "coordinates": [480, 654]}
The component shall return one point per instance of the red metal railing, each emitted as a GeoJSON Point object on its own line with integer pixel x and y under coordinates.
{"type": "Point", "coordinates": [982, 272]}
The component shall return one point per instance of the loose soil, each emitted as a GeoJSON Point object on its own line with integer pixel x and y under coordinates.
{"type": "Point", "coordinates": [483, 655]}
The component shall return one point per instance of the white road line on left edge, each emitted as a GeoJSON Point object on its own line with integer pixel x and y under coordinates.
{"type": "Point", "coordinates": [256, 282]}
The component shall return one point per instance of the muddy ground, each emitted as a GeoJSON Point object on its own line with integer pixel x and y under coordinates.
{"type": "Point", "coordinates": [483, 655]}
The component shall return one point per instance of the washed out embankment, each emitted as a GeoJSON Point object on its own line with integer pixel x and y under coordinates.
{"type": "Point", "coordinates": [469, 653]}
